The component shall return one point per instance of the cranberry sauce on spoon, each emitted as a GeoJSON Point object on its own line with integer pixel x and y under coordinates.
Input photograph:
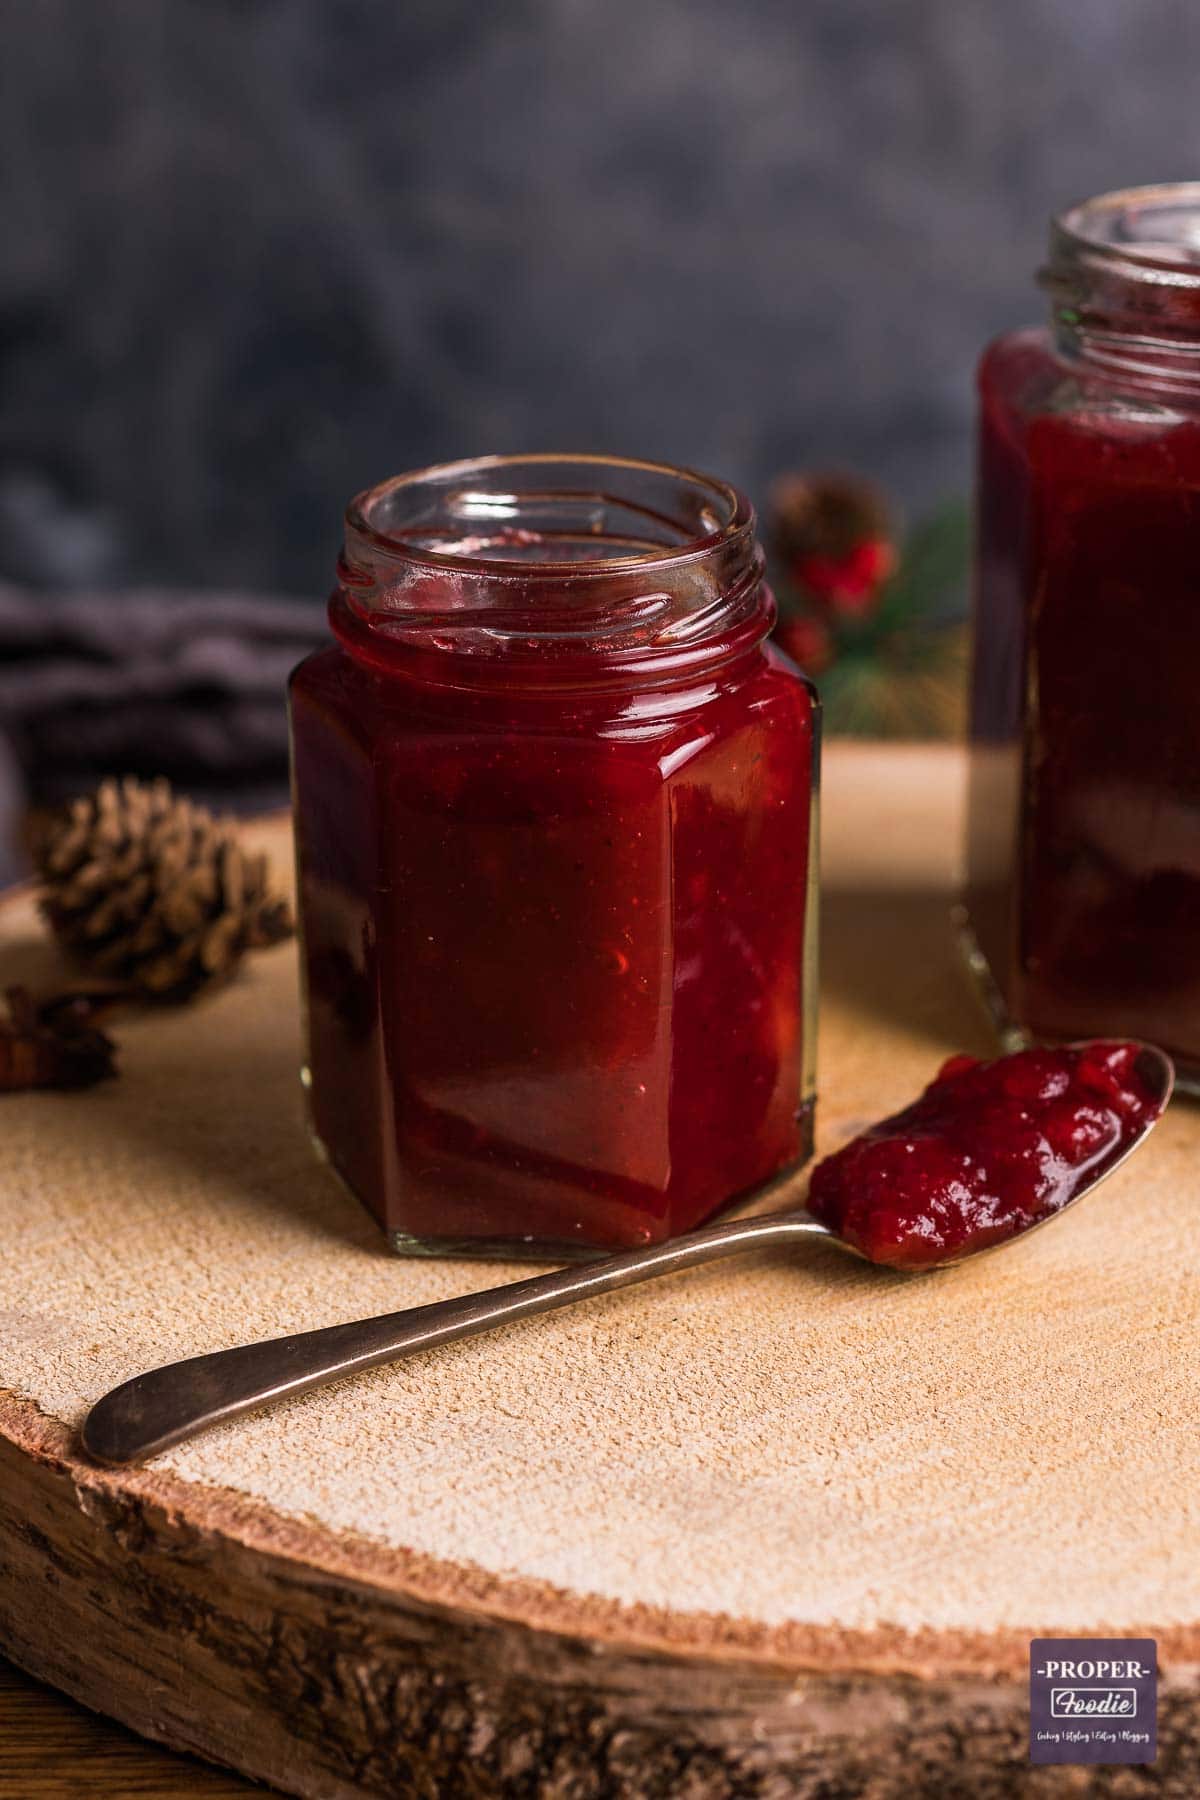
{"type": "Point", "coordinates": [987, 1151]}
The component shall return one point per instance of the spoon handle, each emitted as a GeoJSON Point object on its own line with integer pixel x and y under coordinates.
{"type": "Point", "coordinates": [166, 1405]}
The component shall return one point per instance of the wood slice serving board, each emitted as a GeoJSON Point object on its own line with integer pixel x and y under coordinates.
{"type": "Point", "coordinates": [779, 1527]}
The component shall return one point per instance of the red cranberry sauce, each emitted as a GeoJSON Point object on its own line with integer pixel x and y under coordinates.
{"type": "Point", "coordinates": [988, 1150]}
{"type": "Point", "coordinates": [1084, 817]}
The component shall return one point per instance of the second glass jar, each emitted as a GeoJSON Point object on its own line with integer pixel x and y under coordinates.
{"type": "Point", "coordinates": [555, 819]}
{"type": "Point", "coordinates": [1084, 850]}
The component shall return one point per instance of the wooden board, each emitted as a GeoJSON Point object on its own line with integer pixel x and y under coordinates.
{"type": "Point", "coordinates": [52, 1749]}
{"type": "Point", "coordinates": [782, 1526]}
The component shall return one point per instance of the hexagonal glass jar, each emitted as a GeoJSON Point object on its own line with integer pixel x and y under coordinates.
{"type": "Point", "coordinates": [554, 799]}
{"type": "Point", "coordinates": [1083, 880]}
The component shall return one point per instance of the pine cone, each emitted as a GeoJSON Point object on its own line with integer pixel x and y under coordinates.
{"type": "Point", "coordinates": [153, 891]}
{"type": "Point", "coordinates": [832, 536]}
{"type": "Point", "coordinates": [55, 1045]}
{"type": "Point", "coordinates": [826, 514]}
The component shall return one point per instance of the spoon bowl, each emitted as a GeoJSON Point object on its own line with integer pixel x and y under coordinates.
{"type": "Point", "coordinates": [166, 1405]}
{"type": "Point", "coordinates": [1157, 1072]}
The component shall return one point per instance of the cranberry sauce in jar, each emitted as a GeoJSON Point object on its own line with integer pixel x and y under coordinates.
{"type": "Point", "coordinates": [554, 800]}
{"type": "Point", "coordinates": [1083, 893]}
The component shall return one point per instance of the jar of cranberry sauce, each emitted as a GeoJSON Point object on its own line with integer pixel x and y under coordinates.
{"type": "Point", "coordinates": [554, 799]}
{"type": "Point", "coordinates": [1083, 888]}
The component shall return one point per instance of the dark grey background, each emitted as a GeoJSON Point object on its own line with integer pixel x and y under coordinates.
{"type": "Point", "coordinates": [256, 255]}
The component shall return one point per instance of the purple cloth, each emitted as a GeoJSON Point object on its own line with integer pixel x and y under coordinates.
{"type": "Point", "coordinates": [150, 682]}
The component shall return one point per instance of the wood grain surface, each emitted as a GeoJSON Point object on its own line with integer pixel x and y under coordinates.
{"type": "Point", "coordinates": [53, 1749]}
{"type": "Point", "coordinates": [775, 1528]}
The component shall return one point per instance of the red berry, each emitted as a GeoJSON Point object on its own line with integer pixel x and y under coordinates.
{"type": "Point", "coordinates": [847, 585]}
{"type": "Point", "coordinates": [807, 641]}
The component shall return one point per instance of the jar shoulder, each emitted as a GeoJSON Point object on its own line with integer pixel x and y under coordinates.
{"type": "Point", "coordinates": [325, 672]}
{"type": "Point", "coordinates": [1026, 376]}
{"type": "Point", "coordinates": [771, 693]}
{"type": "Point", "coordinates": [1023, 374]}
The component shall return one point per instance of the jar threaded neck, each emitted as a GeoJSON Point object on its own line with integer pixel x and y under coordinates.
{"type": "Point", "coordinates": [578, 570]}
{"type": "Point", "coordinates": [1123, 276]}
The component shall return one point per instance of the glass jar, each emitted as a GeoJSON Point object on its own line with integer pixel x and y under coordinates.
{"type": "Point", "coordinates": [554, 799]}
{"type": "Point", "coordinates": [1083, 887]}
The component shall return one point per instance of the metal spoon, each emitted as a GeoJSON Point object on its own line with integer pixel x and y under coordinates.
{"type": "Point", "coordinates": [166, 1405]}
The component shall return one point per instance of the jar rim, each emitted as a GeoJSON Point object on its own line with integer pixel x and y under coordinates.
{"type": "Point", "coordinates": [1149, 233]}
{"type": "Point", "coordinates": [733, 519]}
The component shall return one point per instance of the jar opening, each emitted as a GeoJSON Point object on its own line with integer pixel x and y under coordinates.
{"type": "Point", "coordinates": [579, 514]}
{"type": "Point", "coordinates": [1124, 281]}
{"type": "Point", "coordinates": [1154, 229]}
{"type": "Point", "coordinates": [575, 570]}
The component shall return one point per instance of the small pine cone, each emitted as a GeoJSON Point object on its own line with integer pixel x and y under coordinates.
{"type": "Point", "coordinates": [826, 515]}
{"type": "Point", "coordinates": [55, 1045]}
{"type": "Point", "coordinates": [831, 543]}
{"type": "Point", "coordinates": [151, 890]}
